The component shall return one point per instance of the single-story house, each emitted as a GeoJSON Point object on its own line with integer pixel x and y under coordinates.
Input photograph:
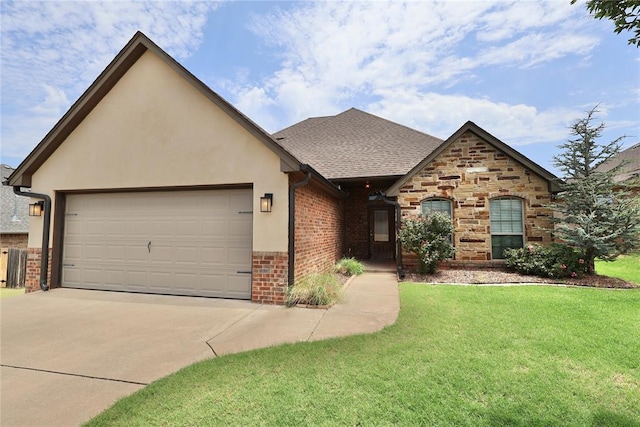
{"type": "Point", "coordinates": [152, 182]}
{"type": "Point", "coordinates": [14, 218]}
{"type": "Point", "coordinates": [629, 173]}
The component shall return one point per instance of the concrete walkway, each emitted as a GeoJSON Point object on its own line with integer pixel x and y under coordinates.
{"type": "Point", "coordinates": [68, 354]}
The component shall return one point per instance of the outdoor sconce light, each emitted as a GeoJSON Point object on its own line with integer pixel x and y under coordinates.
{"type": "Point", "coordinates": [36, 208]}
{"type": "Point", "coordinates": [266, 202]}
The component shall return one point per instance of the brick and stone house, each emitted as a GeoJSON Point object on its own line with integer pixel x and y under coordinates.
{"type": "Point", "coordinates": [152, 182]}
{"type": "Point", "coordinates": [495, 196]}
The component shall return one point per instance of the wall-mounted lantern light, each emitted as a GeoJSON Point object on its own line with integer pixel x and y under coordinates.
{"type": "Point", "coordinates": [266, 202]}
{"type": "Point", "coordinates": [36, 208]}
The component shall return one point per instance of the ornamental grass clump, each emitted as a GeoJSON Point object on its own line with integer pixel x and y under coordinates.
{"type": "Point", "coordinates": [555, 261]}
{"type": "Point", "coordinates": [429, 237]}
{"type": "Point", "coordinates": [349, 267]}
{"type": "Point", "coordinates": [315, 289]}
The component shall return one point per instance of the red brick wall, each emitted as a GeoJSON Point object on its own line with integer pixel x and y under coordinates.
{"type": "Point", "coordinates": [269, 277]}
{"type": "Point", "coordinates": [32, 279]}
{"type": "Point", "coordinates": [319, 230]}
{"type": "Point", "coordinates": [11, 240]}
{"type": "Point", "coordinates": [356, 221]}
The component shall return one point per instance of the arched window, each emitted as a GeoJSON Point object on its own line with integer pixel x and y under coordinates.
{"type": "Point", "coordinates": [437, 205]}
{"type": "Point", "coordinates": [507, 225]}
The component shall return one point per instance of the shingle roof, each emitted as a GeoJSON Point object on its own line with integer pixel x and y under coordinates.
{"type": "Point", "coordinates": [355, 144]}
{"type": "Point", "coordinates": [14, 210]}
{"type": "Point", "coordinates": [632, 168]}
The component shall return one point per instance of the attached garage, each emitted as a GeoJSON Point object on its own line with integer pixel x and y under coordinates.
{"type": "Point", "coordinates": [196, 243]}
{"type": "Point", "coordinates": [152, 183]}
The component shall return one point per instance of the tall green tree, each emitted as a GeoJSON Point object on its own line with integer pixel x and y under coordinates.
{"type": "Point", "coordinates": [623, 13]}
{"type": "Point", "coordinates": [594, 214]}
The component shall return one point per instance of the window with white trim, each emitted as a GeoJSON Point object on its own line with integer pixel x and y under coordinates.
{"type": "Point", "coordinates": [507, 225]}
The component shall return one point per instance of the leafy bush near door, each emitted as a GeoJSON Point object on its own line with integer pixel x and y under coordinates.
{"type": "Point", "coordinates": [429, 237]}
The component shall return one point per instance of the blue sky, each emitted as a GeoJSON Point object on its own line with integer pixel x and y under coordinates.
{"type": "Point", "coordinates": [522, 70]}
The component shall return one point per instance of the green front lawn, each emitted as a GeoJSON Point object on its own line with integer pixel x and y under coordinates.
{"type": "Point", "coordinates": [626, 267]}
{"type": "Point", "coordinates": [458, 355]}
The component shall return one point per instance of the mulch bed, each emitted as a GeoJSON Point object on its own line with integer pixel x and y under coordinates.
{"type": "Point", "coordinates": [495, 276]}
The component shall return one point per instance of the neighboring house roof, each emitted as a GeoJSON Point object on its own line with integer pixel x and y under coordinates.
{"type": "Point", "coordinates": [14, 209]}
{"type": "Point", "coordinates": [125, 59]}
{"type": "Point", "coordinates": [483, 134]}
{"type": "Point", "coordinates": [631, 168]}
{"type": "Point", "coordinates": [355, 144]}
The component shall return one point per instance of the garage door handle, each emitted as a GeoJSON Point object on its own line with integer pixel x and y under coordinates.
{"type": "Point", "coordinates": [243, 272]}
{"type": "Point", "coordinates": [149, 247]}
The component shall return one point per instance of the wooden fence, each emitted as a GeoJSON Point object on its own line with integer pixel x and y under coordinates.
{"type": "Point", "coordinates": [13, 267]}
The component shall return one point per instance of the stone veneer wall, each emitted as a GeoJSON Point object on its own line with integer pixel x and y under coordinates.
{"type": "Point", "coordinates": [269, 277]}
{"type": "Point", "coordinates": [14, 240]}
{"type": "Point", "coordinates": [319, 230]}
{"type": "Point", "coordinates": [452, 175]}
{"type": "Point", "coordinates": [32, 278]}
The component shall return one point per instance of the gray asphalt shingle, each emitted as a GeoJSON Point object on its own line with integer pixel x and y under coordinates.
{"type": "Point", "coordinates": [355, 144]}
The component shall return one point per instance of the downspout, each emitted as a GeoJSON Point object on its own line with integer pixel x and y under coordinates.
{"type": "Point", "coordinates": [292, 221]}
{"type": "Point", "coordinates": [44, 262]}
{"type": "Point", "coordinates": [380, 196]}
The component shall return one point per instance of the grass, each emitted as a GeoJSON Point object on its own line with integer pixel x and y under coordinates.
{"type": "Point", "coordinates": [11, 292]}
{"type": "Point", "coordinates": [626, 267]}
{"type": "Point", "coordinates": [349, 267]}
{"type": "Point", "coordinates": [457, 355]}
{"type": "Point", "coordinates": [315, 289]}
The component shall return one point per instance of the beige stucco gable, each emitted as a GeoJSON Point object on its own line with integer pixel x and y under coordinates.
{"type": "Point", "coordinates": [154, 129]}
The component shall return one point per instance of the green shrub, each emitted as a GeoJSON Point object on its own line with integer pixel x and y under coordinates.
{"type": "Point", "coordinates": [556, 261]}
{"type": "Point", "coordinates": [315, 289]}
{"type": "Point", "coordinates": [429, 237]}
{"type": "Point", "coordinates": [349, 267]}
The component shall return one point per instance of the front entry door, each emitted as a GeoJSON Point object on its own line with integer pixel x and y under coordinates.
{"type": "Point", "coordinates": [381, 232]}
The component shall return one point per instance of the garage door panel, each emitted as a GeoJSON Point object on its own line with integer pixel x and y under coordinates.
{"type": "Point", "coordinates": [114, 252]}
{"type": "Point", "coordinates": [93, 252]}
{"type": "Point", "coordinates": [199, 241]}
{"type": "Point", "coordinates": [133, 228]}
{"type": "Point", "coordinates": [136, 254]}
{"type": "Point", "coordinates": [214, 228]}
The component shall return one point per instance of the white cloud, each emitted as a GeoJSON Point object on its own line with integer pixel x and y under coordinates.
{"type": "Point", "coordinates": [67, 44]}
{"type": "Point", "coordinates": [397, 58]}
{"type": "Point", "coordinates": [441, 115]}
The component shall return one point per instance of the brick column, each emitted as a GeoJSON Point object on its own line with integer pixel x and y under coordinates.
{"type": "Point", "coordinates": [269, 281]}
{"type": "Point", "coordinates": [32, 279]}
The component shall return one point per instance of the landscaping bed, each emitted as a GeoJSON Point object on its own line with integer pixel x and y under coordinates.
{"type": "Point", "coordinates": [495, 276]}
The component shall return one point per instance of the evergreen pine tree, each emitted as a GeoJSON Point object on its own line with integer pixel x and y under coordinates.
{"type": "Point", "coordinates": [594, 214]}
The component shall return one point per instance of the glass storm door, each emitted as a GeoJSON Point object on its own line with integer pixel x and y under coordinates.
{"type": "Point", "coordinates": [381, 233]}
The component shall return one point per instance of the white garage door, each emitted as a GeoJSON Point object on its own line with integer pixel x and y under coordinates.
{"type": "Point", "coordinates": [178, 243]}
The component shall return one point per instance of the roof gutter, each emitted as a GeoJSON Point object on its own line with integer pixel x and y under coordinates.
{"type": "Point", "coordinates": [292, 220]}
{"type": "Point", "coordinates": [380, 196]}
{"type": "Point", "coordinates": [44, 261]}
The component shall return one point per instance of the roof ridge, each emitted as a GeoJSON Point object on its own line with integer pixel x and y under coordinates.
{"type": "Point", "coordinates": [301, 130]}
{"type": "Point", "coordinates": [391, 122]}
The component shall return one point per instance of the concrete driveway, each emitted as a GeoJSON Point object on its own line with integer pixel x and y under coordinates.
{"type": "Point", "coordinates": [68, 354]}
